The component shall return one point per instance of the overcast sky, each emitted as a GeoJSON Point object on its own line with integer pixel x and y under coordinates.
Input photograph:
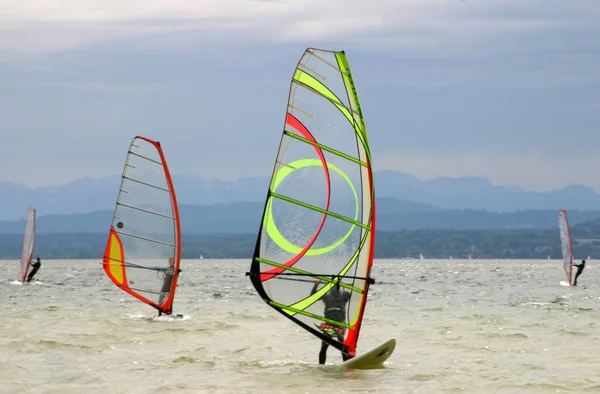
{"type": "Point", "coordinates": [505, 89]}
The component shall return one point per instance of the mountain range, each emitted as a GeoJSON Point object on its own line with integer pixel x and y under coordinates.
{"type": "Point", "coordinates": [89, 195]}
{"type": "Point", "coordinates": [244, 218]}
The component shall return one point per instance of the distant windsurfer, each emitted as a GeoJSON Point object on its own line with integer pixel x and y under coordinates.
{"type": "Point", "coordinates": [335, 309]}
{"type": "Point", "coordinates": [34, 269]}
{"type": "Point", "coordinates": [580, 268]}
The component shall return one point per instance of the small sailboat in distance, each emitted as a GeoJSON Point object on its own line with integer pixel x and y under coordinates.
{"type": "Point", "coordinates": [317, 234]}
{"type": "Point", "coordinates": [566, 247]}
{"type": "Point", "coordinates": [143, 251]}
{"type": "Point", "coordinates": [28, 243]}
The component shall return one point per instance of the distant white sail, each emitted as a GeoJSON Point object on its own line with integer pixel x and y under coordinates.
{"type": "Point", "coordinates": [566, 245]}
{"type": "Point", "coordinates": [28, 243]}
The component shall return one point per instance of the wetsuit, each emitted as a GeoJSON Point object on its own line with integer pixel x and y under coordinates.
{"type": "Point", "coordinates": [580, 268]}
{"type": "Point", "coordinates": [166, 287]}
{"type": "Point", "coordinates": [335, 309]}
{"type": "Point", "coordinates": [34, 269]}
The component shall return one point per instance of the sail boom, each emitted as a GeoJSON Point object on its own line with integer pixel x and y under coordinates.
{"type": "Point", "coordinates": [296, 271]}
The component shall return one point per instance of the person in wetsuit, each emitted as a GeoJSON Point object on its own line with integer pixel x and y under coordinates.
{"type": "Point", "coordinates": [34, 269]}
{"type": "Point", "coordinates": [580, 268]}
{"type": "Point", "coordinates": [335, 309]}
{"type": "Point", "coordinates": [166, 287]}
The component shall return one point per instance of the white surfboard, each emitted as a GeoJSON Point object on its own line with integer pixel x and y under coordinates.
{"type": "Point", "coordinates": [372, 359]}
{"type": "Point", "coordinates": [563, 283]}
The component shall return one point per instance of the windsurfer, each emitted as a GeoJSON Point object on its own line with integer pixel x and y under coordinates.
{"type": "Point", "coordinates": [34, 269]}
{"type": "Point", "coordinates": [335, 309]}
{"type": "Point", "coordinates": [166, 287]}
{"type": "Point", "coordinates": [580, 268]}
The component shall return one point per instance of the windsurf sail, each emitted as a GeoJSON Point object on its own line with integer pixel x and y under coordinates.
{"type": "Point", "coordinates": [143, 250]}
{"type": "Point", "coordinates": [319, 216]}
{"type": "Point", "coordinates": [566, 245]}
{"type": "Point", "coordinates": [28, 243]}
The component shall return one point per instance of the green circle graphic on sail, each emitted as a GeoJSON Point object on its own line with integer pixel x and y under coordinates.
{"type": "Point", "coordinates": [270, 225]}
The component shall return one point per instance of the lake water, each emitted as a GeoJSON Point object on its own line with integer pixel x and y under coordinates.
{"type": "Point", "coordinates": [464, 326]}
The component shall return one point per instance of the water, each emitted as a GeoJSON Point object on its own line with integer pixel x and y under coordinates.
{"type": "Point", "coordinates": [462, 326]}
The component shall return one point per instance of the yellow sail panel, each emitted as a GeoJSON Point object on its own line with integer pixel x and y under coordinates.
{"type": "Point", "coordinates": [115, 260]}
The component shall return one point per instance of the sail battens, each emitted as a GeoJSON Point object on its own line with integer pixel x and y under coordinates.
{"type": "Point", "coordinates": [290, 106]}
{"type": "Point", "coordinates": [145, 158]}
{"type": "Point", "coordinates": [325, 148]}
{"type": "Point", "coordinates": [286, 165]}
{"type": "Point", "coordinates": [313, 53]}
{"type": "Point", "coordinates": [146, 211]}
{"type": "Point", "coordinates": [147, 184]}
{"type": "Point", "coordinates": [311, 71]}
{"type": "Point", "coordinates": [143, 250]}
{"type": "Point", "coordinates": [319, 216]}
{"type": "Point", "coordinates": [309, 82]}
{"type": "Point", "coordinates": [145, 238]}
{"type": "Point", "coordinates": [317, 209]}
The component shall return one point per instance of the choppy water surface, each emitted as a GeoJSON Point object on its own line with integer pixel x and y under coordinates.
{"type": "Point", "coordinates": [462, 326]}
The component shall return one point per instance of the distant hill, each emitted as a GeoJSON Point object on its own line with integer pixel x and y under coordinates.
{"type": "Point", "coordinates": [505, 244]}
{"type": "Point", "coordinates": [244, 218]}
{"type": "Point", "coordinates": [89, 195]}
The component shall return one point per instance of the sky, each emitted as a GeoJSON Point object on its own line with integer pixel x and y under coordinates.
{"type": "Point", "coordinates": [503, 89]}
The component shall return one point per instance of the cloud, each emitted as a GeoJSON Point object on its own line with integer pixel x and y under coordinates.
{"type": "Point", "coordinates": [41, 26]}
{"type": "Point", "coordinates": [508, 81]}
